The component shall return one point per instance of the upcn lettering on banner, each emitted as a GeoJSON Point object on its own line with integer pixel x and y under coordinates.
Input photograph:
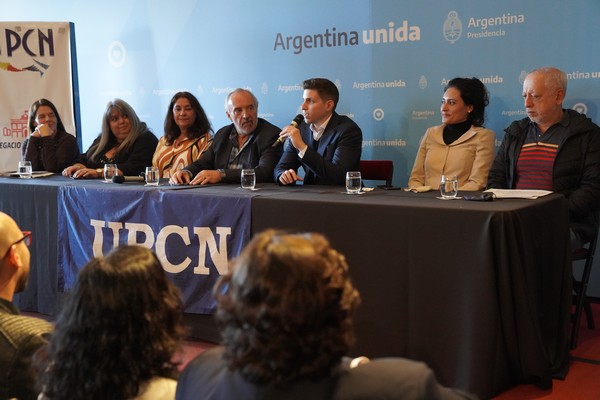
{"type": "Point", "coordinates": [35, 62]}
{"type": "Point", "coordinates": [34, 42]}
{"type": "Point", "coordinates": [194, 236]}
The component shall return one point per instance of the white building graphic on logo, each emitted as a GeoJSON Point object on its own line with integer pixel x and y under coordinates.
{"type": "Point", "coordinates": [452, 27]}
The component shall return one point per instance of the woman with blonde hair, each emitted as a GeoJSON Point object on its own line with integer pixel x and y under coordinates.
{"type": "Point", "coordinates": [124, 140]}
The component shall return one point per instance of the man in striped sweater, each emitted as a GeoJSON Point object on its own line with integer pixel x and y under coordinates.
{"type": "Point", "coordinates": [553, 149]}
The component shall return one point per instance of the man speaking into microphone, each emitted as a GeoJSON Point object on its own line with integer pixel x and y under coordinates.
{"type": "Point", "coordinates": [326, 145]}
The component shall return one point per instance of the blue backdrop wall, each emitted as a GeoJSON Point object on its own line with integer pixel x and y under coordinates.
{"type": "Point", "coordinates": [390, 58]}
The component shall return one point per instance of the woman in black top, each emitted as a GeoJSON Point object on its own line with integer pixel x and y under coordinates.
{"type": "Point", "coordinates": [49, 146]}
{"type": "Point", "coordinates": [125, 141]}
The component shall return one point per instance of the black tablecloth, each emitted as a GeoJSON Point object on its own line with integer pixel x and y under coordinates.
{"type": "Point", "coordinates": [478, 290]}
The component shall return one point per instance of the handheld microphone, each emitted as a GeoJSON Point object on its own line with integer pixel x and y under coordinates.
{"type": "Point", "coordinates": [122, 179]}
{"type": "Point", "coordinates": [295, 122]}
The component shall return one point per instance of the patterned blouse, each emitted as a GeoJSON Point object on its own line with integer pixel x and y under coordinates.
{"type": "Point", "coordinates": [170, 159]}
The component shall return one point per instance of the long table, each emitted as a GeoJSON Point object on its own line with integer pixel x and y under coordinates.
{"type": "Point", "coordinates": [480, 291]}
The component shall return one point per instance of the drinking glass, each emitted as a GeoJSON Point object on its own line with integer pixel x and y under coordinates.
{"type": "Point", "coordinates": [448, 186]}
{"type": "Point", "coordinates": [353, 182]}
{"type": "Point", "coordinates": [152, 176]}
{"type": "Point", "coordinates": [110, 170]}
{"type": "Point", "coordinates": [248, 179]}
{"type": "Point", "coordinates": [24, 169]}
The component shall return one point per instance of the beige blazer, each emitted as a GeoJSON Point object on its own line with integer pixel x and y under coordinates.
{"type": "Point", "coordinates": [469, 158]}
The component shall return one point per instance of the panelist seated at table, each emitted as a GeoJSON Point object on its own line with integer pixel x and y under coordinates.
{"type": "Point", "coordinates": [461, 146]}
{"type": "Point", "coordinates": [187, 135]}
{"type": "Point", "coordinates": [49, 146]}
{"type": "Point", "coordinates": [285, 313]}
{"type": "Point", "coordinates": [124, 140]}
{"type": "Point", "coordinates": [118, 333]}
{"type": "Point", "coordinates": [553, 149]}
{"type": "Point", "coordinates": [246, 143]}
{"type": "Point", "coordinates": [326, 145]}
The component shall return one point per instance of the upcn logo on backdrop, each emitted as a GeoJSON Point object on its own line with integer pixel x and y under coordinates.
{"type": "Point", "coordinates": [34, 42]}
{"type": "Point", "coordinates": [479, 28]}
{"type": "Point", "coordinates": [334, 38]}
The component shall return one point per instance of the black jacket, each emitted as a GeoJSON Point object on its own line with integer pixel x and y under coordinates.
{"type": "Point", "coordinates": [338, 152]}
{"type": "Point", "coordinates": [576, 172]}
{"type": "Point", "coordinates": [258, 154]}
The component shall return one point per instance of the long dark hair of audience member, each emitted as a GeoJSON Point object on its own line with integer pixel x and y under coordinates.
{"type": "Point", "coordinates": [264, 338]}
{"type": "Point", "coordinates": [120, 327]}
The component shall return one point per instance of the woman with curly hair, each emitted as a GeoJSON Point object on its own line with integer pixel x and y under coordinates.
{"type": "Point", "coordinates": [285, 314]}
{"type": "Point", "coordinates": [117, 334]}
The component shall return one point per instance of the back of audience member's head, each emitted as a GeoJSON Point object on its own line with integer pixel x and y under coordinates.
{"type": "Point", "coordinates": [120, 327]}
{"type": "Point", "coordinates": [285, 309]}
{"type": "Point", "coordinates": [473, 93]}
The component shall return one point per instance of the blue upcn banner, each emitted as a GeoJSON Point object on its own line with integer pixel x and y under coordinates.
{"type": "Point", "coordinates": [193, 236]}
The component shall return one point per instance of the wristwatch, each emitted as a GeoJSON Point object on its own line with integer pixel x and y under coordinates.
{"type": "Point", "coordinates": [223, 174]}
{"type": "Point", "coordinates": [99, 171]}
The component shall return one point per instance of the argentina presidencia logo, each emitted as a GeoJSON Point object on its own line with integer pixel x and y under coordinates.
{"type": "Point", "coordinates": [522, 76]}
{"type": "Point", "coordinates": [452, 27]}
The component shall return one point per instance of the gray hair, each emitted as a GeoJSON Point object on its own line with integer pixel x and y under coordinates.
{"type": "Point", "coordinates": [555, 78]}
{"type": "Point", "coordinates": [228, 98]}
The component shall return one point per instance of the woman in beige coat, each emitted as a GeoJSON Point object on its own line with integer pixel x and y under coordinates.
{"type": "Point", "coordinates": [461, 146]}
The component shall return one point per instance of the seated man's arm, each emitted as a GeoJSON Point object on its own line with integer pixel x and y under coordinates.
{"type": "Point", "coordinates": [288, 161]}
{"type": "Point", "coordinates": [347, 151]}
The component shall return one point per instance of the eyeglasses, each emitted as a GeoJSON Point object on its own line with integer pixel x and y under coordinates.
{"type": "Point", "coordinates": [27, 239]}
